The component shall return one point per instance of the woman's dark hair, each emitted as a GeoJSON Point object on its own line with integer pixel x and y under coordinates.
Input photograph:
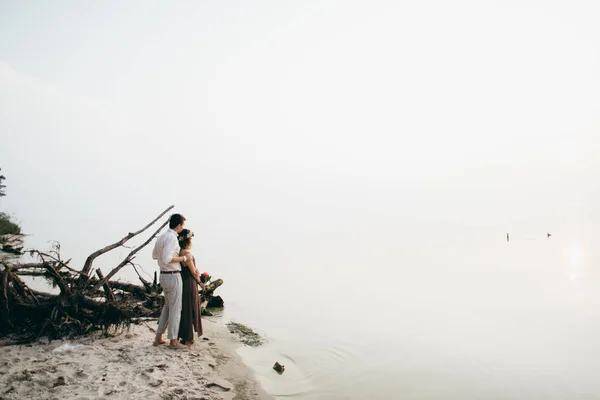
{"type": "Point", "coordinates": [185, 238]}
{"type": "Point", "coordinates": [176, 219]}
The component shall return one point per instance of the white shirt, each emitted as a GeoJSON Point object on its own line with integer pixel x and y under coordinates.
{"type": "Point", "coordinates": [165, 248]}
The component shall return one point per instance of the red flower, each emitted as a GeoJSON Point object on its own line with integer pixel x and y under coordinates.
{"type": "Point", "coordinates": [205, 277]}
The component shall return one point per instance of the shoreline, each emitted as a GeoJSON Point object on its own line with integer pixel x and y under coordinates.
{"type": "Point", "coordinates": [128, 366]}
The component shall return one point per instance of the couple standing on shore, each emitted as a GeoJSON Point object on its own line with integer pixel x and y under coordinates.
{"type": "Point", "coordinates": [179, 279]}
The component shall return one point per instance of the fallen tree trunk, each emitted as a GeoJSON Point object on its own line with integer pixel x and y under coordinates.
{"type": "Point", "coordinates": [83, 303]}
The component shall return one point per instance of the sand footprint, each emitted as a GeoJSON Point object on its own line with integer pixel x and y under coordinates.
{"type": "Point", "coordinates": [81, 375]}
{"type": "Point", "coordinates": [155, 383]}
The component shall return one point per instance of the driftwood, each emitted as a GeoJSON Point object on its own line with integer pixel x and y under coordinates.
{"type": "Point", "coordinates": [84, 303]}
{"type": "Point", "coordinates": [88, 263]}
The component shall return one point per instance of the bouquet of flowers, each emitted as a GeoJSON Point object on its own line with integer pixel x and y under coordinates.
{"type": "Point", "coordinates": [205, 277]}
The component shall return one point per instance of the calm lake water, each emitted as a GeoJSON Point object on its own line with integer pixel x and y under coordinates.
{"type": "Point", "coordinates": [438, 311]}
{"type": "Point", "coordinates": [461, 319]}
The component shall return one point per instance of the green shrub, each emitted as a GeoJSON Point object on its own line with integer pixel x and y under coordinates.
{"type": "Point", "coordinates": [7, 227]}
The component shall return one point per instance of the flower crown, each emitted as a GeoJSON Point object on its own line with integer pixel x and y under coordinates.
{"type": "Point", "coordinates": [189, 235]}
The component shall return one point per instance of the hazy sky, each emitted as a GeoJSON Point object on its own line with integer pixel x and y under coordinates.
{"type": "Point", "coordinates": [271, 124]}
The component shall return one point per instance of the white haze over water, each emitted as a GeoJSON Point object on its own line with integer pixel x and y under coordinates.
{"type": "Point", "coordinates": [349, 168]}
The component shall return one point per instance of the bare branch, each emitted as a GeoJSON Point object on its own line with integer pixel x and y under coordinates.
{"type": "Point", "coordinates": [127, 259]}
{"type": "Point", "coordinates": [144, 282]}
{"type": "Point", "coordinates": [16, 267]}
{"type": "Point", "coordinates": [88, 263]}
{"type": "Point", "coordinates": [56, 259]}
{"type": "Point", "coordinates": [107, 291]}
{"type": "Point", "coordinates": [30, 273]}
{"type": "Point", "coordinates": [56, 276]}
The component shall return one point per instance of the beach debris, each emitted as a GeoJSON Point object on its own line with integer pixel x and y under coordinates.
{"type": "Point", "coordinates": [548, 235]}
{"type": "Point", "coordinates": [222, 388]}
{"type": "Point", "coordinates": [156, 383]}
{"type": "Point", "coordinates": [246, 335]}
{"type": "Point", "coordinates": [123, 355]}
{"type": "Point", "coordinates": [60, 381]}
{"type": "Point", "coordinates": [279, 368]}
{"type": "Point", "coordinates": [507, 237]}
{"type": "Point", "coordinates": [207, 294]}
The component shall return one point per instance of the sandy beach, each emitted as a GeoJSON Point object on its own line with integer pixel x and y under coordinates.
{"type": "Point", "coordinates": [128, 367]}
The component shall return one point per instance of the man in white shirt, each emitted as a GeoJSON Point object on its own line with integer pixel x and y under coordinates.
{"type": "Point", "coordinates": [166, 252]}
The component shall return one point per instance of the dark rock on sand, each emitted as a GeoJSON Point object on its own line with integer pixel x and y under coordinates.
{"type": "Point", "coordinates": [279, 368]}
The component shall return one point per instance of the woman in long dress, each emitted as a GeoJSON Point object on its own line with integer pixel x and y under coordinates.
{"type": "Point", "coordinates": [190, 308]}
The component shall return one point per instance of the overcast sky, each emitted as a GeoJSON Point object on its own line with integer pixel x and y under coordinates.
{"type": "Point", "coordinates": [270, 122]}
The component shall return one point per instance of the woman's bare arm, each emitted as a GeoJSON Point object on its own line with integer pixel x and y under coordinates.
{"type": "Point", "coordinates": [191, 264]}
{"type": "Point", "coordinates": [195, 272]}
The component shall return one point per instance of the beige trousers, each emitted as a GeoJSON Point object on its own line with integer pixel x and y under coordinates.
{"type": "Point", "coordinates": [171, 312]}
